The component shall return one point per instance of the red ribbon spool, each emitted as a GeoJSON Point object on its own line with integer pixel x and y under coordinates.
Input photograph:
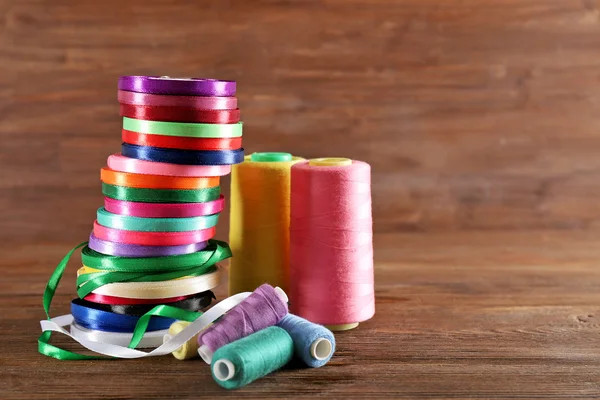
{"type": "Point", "coordinates": [179, 142]}
{"type": "Point", "coordinates": [180, 114]}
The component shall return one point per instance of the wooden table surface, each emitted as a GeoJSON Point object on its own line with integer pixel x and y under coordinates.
{"type": "Point", "coordinates": [479, 119]}
{"type": "Point", "coordinates": [496, 315]}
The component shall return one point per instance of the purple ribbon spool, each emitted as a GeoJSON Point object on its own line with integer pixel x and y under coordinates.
{"type": "Point", "coordinates": [136, 250]}
{"type": "Point", "coordinates": [177, 86]}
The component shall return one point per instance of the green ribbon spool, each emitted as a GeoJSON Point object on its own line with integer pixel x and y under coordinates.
{"type": "Point", "coordinates": [129, 223]}
{"type": "Point", "coordinates": [194, 130]}
{"type": "Point", "coordinates": [118, 269]}
{"type": "Point", "coordinates": [145, 195]}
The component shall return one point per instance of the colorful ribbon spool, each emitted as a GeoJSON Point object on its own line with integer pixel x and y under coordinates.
{"type": "Point", "coordinates": [198, 102]}
{"type": "Point", "coordinates": [194, 130]}
{"type": "Point", "coordinates": [186, 157]}
{"type": "Point", "coordinates": [180, 114]}
{"type": "Point", "coordinates": [128, 223]}
{"type": "Point", "coordinates": [177, 86]}
{"type": "Point", "coordinates": [181, 143]}
{"type": "Point", "coordinates": [125, 164]}
{"type": "Point", "coordinates": [132, 180]}
{"type": "Point", "coordinates": [164, 210]}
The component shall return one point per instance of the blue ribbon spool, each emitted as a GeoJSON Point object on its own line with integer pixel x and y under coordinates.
{"type": "Point", "coordinates": [184, 157]}
{"type": "Point", "coordinates": [99, 320]}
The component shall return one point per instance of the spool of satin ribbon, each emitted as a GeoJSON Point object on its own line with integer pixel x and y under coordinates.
{"type": "Point", "coordinates": [119, 178]}
{"type": "Point", "coordinates": [164, 210]}
{"type": "Point", "coordinates": [133, 250]}
{"type": "Point", "coordinates": [195, 302]}
{"type": "Point", "coordinates": [185, 129]}
{"type": "Point", "coordinates": [182, 143]}
{"type": "Point", "coordinates": [157, 100]}
{"type": "Point", "coordinates": [89, 317]}
{"type": "Point", "coordinates": [180, 114]}
{"type": "Point", "coordinates": [128, 223]}
{"type": "Point", "coordinates": [177, 86]}
{"type": "Point", "coordinates": [152, 238]}
{"type": "Point", "coordinates": [126, 164]}
{"type": "Point", "coordinates": [98, 298]}
{"type": "Point", "coordinates": [187, 157]}
{"type": "Point", "coordinates": [161, 195]}
{"type": "Point", "coordinates": [161, 289]}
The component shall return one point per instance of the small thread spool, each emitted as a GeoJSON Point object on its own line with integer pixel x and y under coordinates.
{"type": "Point", "coordinates": [313, 344]}
{"type": "Point", "coordinates": [260, 221]}
{"type": "Point", "coordinates": [331, 242]}
{"type": "Point", "coordinates": [189, 349]}
{"type": "Point", "coordinates": [246, 360]}
{"type": "Point", "coordinates": [265, 307]}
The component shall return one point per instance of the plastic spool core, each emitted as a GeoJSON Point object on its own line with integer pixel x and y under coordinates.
{"type": "Point", "coordinates": [320, 349]}
{"type": "Point", "coordinates": [342, 327]}
{"type": "Point", "coordinates": [329, 162]}
{"type": "Point", "coordinates": [223, 369]}
{"type": "Point", "coordinates": [282, 295]}
{"type": "Point", "coordinates": [271, 157]}
{"type": "Point", "coordinates": [205, 353]}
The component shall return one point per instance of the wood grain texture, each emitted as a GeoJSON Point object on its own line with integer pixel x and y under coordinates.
{"type": "Point", "coordinates": [494, 315]}
{"type": "Point", "coordinates": [479, 119]}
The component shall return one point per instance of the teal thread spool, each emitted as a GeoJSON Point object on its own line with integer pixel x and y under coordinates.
{"type": "Point", "coordinates": [239, 363]}
{"type": "Point", "coordinates": [313, 343]}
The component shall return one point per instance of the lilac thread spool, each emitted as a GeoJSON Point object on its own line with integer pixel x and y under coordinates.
{"type": "Point", "coordinates": [265, 307]}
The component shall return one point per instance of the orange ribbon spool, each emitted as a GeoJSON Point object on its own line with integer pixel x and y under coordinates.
{"type": "Point", "coordinates": [132, 180]}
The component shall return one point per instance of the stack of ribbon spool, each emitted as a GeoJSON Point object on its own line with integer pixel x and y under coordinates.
{"type": "Point", "coordinates": [151, 243]}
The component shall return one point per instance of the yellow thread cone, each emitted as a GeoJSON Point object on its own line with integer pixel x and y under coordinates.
{"type": "Point", "coordinates": [260, 221]}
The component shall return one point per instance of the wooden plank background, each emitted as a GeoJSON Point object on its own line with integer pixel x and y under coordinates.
{"type": "Point", "coordinates": [473, 114]}
{"type": "Point", "coordinates": [480, 119]}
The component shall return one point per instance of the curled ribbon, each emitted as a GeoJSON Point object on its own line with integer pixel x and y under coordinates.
{"type": "Point", "coordinates": [117, 269]}
{"type": "Point", "coordinates": [112, 350]}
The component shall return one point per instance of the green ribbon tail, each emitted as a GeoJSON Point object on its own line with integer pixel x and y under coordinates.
{"type": "Point", "coordinates": [44, 346]}
{"type": "Point", "coordinates": [160, 311]}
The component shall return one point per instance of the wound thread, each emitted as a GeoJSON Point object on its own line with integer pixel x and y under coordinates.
{"type": "Point", "coordinates": [313, 344]}
{"type": "Point", "coordinates": [260, 221]}
{"type": "Point", "coordinates": [265, 307]}
{"type": "Point", "coordinates": [246, 360]}
{"type": "Point", "coordinates": [331, 242]}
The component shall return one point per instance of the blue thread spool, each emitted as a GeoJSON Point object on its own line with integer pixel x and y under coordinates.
{"type": "Point", "coordinates": [313, 343]}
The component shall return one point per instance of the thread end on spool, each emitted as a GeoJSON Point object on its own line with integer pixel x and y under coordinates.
{"type": "Point", "coordinates": [321, 349]}
{"type": "Point", "coordinates": [282, 295]}
{"type": "Point", "coordinates": [223, 369]}
{"type": "Point", "coordinates": [205, 353]}
{"type": "Point", "coordinates": [329, 162]}
{"type": "Point", "coordinates": [270, 157]}
{"type": "Point", "coordinates": [342, 327]}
